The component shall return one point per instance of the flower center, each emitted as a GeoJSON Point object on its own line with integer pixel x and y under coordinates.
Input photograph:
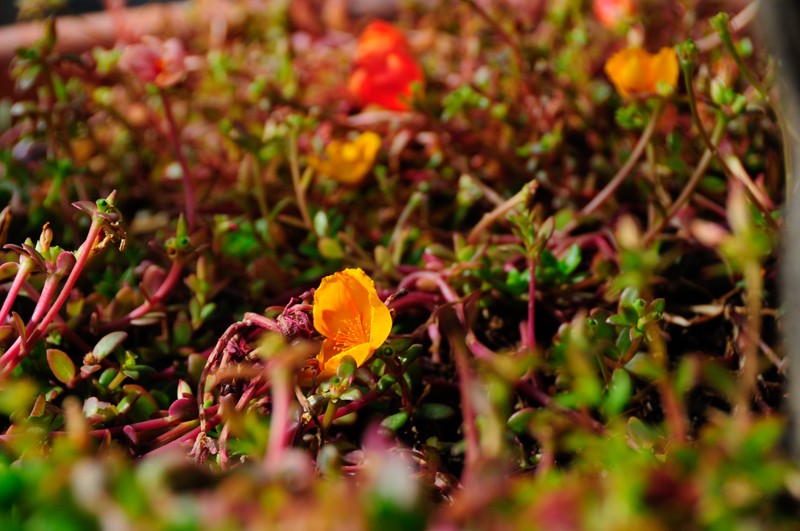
{"type": "Point", "coordinates": [350, 333]}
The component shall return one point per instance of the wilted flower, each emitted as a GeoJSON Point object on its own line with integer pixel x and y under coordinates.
{"type": "Point", "coordinates": [611, 12]}
{"type": "Point", "coordinates": [348, 162]}
{"type": "Point", "coordinates": [384, 68]}
{"type": "Point", "coordinates": [635, 72]}
{"type": "Point", "coordinates": [155, 61]}
{"type": "Point", "coordinates": [354, 321]}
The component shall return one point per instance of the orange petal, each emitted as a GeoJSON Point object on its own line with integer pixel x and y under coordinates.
{"type": "Point", "coordinates": [665, 68]}
{"type": "Point", "coordinates": [341, 297]}
{"type": "Point", "coordinates": [329, 359]}
{"type": "Point", "coordinates": [628, 71]}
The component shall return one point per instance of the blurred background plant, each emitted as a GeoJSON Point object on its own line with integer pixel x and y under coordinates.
{"type": "Point", "coordinates": [581, 282]}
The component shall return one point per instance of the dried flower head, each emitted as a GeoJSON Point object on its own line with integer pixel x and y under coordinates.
{"type": "Point", "coordinates": [354, 321]}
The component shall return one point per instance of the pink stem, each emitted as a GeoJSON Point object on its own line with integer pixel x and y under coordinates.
{"type": "Point", "coordinates": [281, 403]}
{"type": "Point", "coordinates": [22, 274]}
{"type": "Point", "coordinates": [188, 186]}
{"type": "Point", "coordinates": [166, 287]}
{"type": "Point", "coordinates": [14, 355]}
{"type": "Point", "coordinates": [63, 328]}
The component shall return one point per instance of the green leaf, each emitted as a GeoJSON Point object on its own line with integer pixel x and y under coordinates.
{"type": "Point", "coordinates": [62, 367]}
{"type": "Point", "coordinates": [571, 260]}
{"type": "Point", "coordinates": [108, 344]}
{"type": "Point", "coordinates": [619, 392]}
{"type": "Point", "coordinates": [395, 422]}
{"type": "Point", "coordinates": [386, 381]}
{"type": "Point", "coordinates": [520, 420]}
{"type": "Point", "coordinates": [434, 411]}
{"type": "Point", "coordinates": [352, 394]}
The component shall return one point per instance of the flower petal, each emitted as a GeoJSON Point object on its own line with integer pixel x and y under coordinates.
{"type": "Point", "coordinates": [329, 359]}
{"type": "Point", "coordinates": [665, 68]}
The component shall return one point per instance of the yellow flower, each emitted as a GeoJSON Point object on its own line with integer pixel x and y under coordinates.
{"type": "Point", "coordinates": [354, 321]}
{"type": "Point", "coordinates": [634, 71]}
{"type": "Point", "coordinates": [349, 162]}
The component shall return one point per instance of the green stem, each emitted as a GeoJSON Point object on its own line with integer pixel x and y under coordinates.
{"type": "Point", "coordinates": [626, 168]}
{"type": "Point", "coordinates": [691, 185]}
{"type": "Point", "coordinates": [294, 165]}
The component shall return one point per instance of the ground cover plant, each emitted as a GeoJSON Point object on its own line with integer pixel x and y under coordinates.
{"type": "Point", "coordinates": [482, 264]}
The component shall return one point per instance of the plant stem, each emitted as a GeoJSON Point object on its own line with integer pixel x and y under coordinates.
{"type": "Point", "coordinates": [530, 343]}
{"type": "Point", "coordinates": [25, 268]}
{"type": "Point", "coordinates": [14, 355]}
{"type": "Point", "coordinates": [299, 191]}
{"type": "Point", "coordinates": [694, 180]}
{"type": "Point", "coordinates": [174, 136]}
{"type": "Point", "coordinates": [501, 210]}
{"type": "Point", "coordinates": [161, 293]}
{"type": "Point", "coordinates": [279, 433]}
{"type": "Point", "coordinates": [626, 168]}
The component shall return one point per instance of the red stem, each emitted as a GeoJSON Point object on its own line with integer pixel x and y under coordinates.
{"type": "Point", "coordinates": [166, 287]}
{"type": "Point", "coordinates": [281, 403]}
{"type": "Point", "coordinates": [174, 137]}
{"type": "Point", "coordinates": [14, 355]}
{"type": "Point", "coordinates": [22, 274]}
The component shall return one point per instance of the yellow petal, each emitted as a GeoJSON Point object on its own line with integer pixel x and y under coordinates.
{"type": "Point", "coordinates": [349, 162]}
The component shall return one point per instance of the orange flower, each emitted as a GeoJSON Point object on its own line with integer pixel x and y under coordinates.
{"type": "Point", "coordinates": [635, 72]}
{"type": "Point", "coordinates": [384, 69]}
{"type": "Point", "coordinates": [354, 321]}
{"type": "Point", "coordinates": [349, 162]}
{"type": "Point", "coordinates": [611, 12]}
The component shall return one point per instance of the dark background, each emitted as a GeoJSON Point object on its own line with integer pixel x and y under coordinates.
{"type": "Point", "coordinates": [8, 12]}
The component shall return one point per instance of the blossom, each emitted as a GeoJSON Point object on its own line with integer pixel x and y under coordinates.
{"type": "Point", "coordinates": [384, 69]}
{"type": "Point", "coordinates": [354, 321]}
{"type": "Point", "coordinates": [634, 72]}
{"type": "Point", "coordinates": [155, 61]}
{"type": "Point", "coordinates": [348, 162]}
{"type": "Point", "coordinates": [611, 12]}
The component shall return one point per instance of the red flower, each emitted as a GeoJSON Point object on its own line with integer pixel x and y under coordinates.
{"type": "Point", "coordinates": [384, 68]}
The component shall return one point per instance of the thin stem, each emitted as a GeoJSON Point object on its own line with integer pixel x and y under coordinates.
{"type": "Point", "coordinates": [738, 22]}
{"type": "Point", "coordinates": [694, 180]}
{"type": "Point", "coordinates": [626, 168]}
{"type": "Point", "coordinates": [299, 191]}
{"type": "Point", "coordinates": [161, 293]}
{"type": "Point", "coordinates": [753, 292]}
{"type": "Point", "coordinates": [48, 292]}
{"type": "Point", "coordinates": [501, 210]}
{"type": "Point", "coordinates": [395, 241]}
{"type": "Point", "coordinates": [279, 432]}
{"type": "Point", "coordinates": [512, 43]}
{"type": "Point", "coordinates": [530, 342]}
{"type": "Point", "coordinates": [12, 357]}
{"type": "Point", "coordinates": [731, 164]}
{"type": "Point", "coordinates": [24, 270]}
{"type": "Point", "coordinates": [174, 137]}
